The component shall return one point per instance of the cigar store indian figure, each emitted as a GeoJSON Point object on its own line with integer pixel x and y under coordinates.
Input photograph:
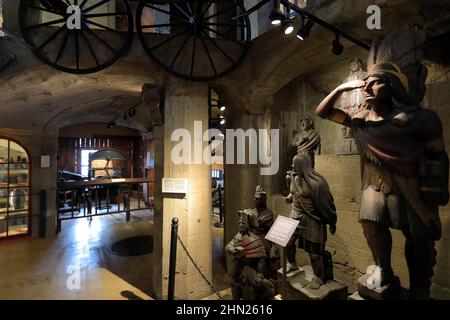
{"type": "Point", "coordinates": [404, 169]}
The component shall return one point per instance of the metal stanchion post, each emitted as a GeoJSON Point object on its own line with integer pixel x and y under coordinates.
{"type": "Point", "coordinates": [220, 223]}
{"type": "Point", "coordinates": [284, 274]}
{"type": "Point", "coordinates": [173, 258]}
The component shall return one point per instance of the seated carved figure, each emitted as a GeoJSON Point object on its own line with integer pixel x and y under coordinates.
{"type": "Point", "coordinates": [249, 262]}
{"type": "Point", "coordinates": [265, 219]}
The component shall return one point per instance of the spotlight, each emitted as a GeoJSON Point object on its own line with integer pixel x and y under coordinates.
{"type": "Point", "coordinates": [338, 48]}
{"type": "Point", "coordinates": [111, 124]}
{"type": "Point", "coordinates": [288, 26]}
{"type": "Point", "coordinates": [305, 29]}
{"type": "Point", "coordinates": [125, 116]}
{"type": "Point", "coordinates": [221, 106]}
{"type": "Point", "coordinates": [222, 121]}
{"type": "Point", "coordinates": [276, 17]}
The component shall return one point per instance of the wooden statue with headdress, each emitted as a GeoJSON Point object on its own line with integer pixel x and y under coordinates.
{"type": "Point", "coordinates": [249, 258]}
{"type": "Point", "coordinates": [404, 162]}
{"type": "Point", "coordinates": [353, 100]}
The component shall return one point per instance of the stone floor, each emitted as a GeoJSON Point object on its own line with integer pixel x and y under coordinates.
{"type": "Point", "coordinates": [46, 268]}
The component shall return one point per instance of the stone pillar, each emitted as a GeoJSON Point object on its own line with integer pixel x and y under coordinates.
{"type": "Point", "coordinates": [241, 179]}
{"type": "Point", "coordinates": [185, 103]}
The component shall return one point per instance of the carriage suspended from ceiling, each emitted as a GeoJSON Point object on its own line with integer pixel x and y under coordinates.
{"type": "Point", "coordinates": [198, 40]}
{"type": "Point", "coordinates": [195, 40]}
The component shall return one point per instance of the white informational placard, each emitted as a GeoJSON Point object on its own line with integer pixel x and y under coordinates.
{"type": "Point", "coordinates": [282, 230]}
{"type": "Point", "coordinates": [45, 161]}
{"type": "Point", "coordinates": [174, 185]}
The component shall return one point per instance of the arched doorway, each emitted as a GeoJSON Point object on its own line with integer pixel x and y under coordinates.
{"type": "Point", "coordinates": [15, 190]}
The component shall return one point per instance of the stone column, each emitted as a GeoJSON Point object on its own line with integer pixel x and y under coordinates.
{"type": "Point", "coordinates": [185, 103]}
{"type": "Point", "coordinates": [241, 179]}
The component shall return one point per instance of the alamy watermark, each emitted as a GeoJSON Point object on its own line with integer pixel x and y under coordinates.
{"type": "Point", "coordinates": [73, 281]}
{"type": "Point", "coordinates": [263, 147]}
{"type": "Point", "coordinates": [374, 20]}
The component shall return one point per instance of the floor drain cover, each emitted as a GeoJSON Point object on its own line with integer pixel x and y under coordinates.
{"type": "Point", "coordinates": [134, 246]}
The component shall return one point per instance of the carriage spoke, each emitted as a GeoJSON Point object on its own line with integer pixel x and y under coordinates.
{"type": "Point", "coordinates": [77, 50]}
{"type": "Point", "coordinates": [51, 38]}
{"type": "Point", "coordinates": [181, 10]}
{"type": "Point", "coordinates": [209, 56]}
{"type": "Point", "coordinates": [92, 51]}
{"type": "Point", "coordinates": [63, 46]}
{"type": "Point", "coordinates": [189, 8]}
{"type": "Point", "coordinates": [147, 26]}
{"type": "Point", "coordinates": [193, 56]}
{"type": "Point", "coordinates": [206, 9]}
{"type": "Point", "coordinates": [224, 36]}
{"type": "Point", "coordinates": [179, 51]}
{"type": "Point", "coordinates": [220, 12]}
{"type": "Point", "coordinates": [219, 48]}
{"type": "Point", "coordinates": [110, 14]}
{"type": "Point", "coordinates": [46, 24]}
{"type": "Point", "coordinates": [44, 9]}
{"type": "Point", "coordinates": [101, 40]}
{"type": "Point", "coordinates": [166, 12]}
{"type": "Point", "coordinates": [83, 3]}
{"type": "Point", "coordinates": [105, 27]}
{"type": "Point", "coordinates": [95, 5]}
{"type": "Point", "coordinates": [170, 38]}
{"type": "Point", "coordinates": [59, 5]}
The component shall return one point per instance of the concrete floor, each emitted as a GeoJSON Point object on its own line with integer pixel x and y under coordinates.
{"type": "Point", "coordinates": [44, 268]}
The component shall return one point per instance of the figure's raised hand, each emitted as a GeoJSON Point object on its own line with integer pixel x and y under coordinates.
{"type": "Point", "coordinates": [352, 85]}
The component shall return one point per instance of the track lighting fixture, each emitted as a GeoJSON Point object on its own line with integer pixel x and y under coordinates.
{"type": "Point", "coordinates": [338, 48]}
{"type": "Point", "coordinates": [111, 124]}
{"type": "Point", "coordinates": [288, 26]}
{"type": "Point", "coordinates": [222, 121]}
{"type": "Point", "coordinates": [305, 29]}
{"type": "Point", "coordinates": [221, 106]}
{"type": "Point", "coordinates": [276, 17]}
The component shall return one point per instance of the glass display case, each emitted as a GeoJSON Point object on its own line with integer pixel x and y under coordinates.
{"type": "Point", "coordinates": [14, 189]}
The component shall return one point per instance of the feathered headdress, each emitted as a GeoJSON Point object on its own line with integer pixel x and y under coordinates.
{"type": "Point", "coordinates": [400, 55]}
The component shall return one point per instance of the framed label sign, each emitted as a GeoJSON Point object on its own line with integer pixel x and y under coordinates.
{"type": "Point", "coordinates": [174, 185]}
{"type": "Point", "coordinates": [282, 230]}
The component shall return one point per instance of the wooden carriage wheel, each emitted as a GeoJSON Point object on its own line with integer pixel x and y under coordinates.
{"type": "Point", "coordinates": [195, 40]}
{"type": "Point", "coordinates": [105, 33]}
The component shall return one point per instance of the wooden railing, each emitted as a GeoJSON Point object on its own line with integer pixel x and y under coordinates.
{"type": "Point", "coordinates": [90, 198]}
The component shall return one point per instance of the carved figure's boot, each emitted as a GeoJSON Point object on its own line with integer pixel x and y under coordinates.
{"type": "Point", "coordinates": [328, 266]}
{"type": "Point", "coordinates": [318, 269]}
{"type": "Point", "coordinates": [421, 258]}
{"type": "Point", "coordinates": [379, 239]}
{"type": "Point", "coordinates": [236, 292]}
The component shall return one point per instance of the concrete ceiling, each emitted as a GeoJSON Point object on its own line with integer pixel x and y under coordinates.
{"type": "Point", "coordinates": [46, 99]}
